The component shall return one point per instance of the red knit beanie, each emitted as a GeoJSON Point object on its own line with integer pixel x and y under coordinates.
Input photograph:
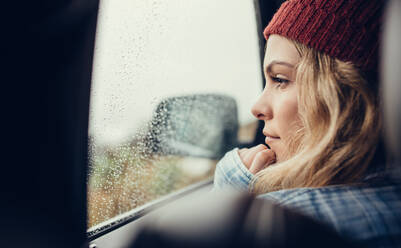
{"type": "Point", "coordinates": [345, 29]}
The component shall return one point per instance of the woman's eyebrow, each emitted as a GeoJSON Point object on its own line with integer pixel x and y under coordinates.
{"type": "Point", "coordinates": [277, 62]}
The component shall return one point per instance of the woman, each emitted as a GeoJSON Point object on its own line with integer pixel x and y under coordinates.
{"type": "Point", "coordinates": [322, 122]}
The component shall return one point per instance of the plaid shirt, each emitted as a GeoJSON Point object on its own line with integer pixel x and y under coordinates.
{"type": "Point", "coordinates": [368, 214]}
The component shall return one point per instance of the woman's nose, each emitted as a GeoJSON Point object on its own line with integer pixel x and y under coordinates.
{"type": "Point", "coordinates": [261, 109]}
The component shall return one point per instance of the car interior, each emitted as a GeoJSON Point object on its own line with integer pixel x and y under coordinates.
{"type": "Point", "coordinates": [49, 50]}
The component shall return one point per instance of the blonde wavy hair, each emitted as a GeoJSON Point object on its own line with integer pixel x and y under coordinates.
{"type": "Point", "coordinates": [341, 126]}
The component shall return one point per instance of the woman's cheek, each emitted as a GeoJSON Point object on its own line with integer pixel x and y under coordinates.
{"type": "Point", "coordinates": [288, 122]}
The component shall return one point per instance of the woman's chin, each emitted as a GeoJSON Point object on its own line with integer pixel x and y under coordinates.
{"type": "Point", "coordinates": [280, 155]}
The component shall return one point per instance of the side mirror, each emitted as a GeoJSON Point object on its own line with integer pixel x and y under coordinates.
{"type": "Point", "coordinates": [195, 125]}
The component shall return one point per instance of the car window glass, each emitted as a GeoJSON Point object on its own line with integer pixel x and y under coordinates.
{"type": "Point", "coordinates": [173, 84]}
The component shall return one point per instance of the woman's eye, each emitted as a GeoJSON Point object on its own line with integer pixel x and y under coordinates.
{"type": "Point", "coordinates": [279, 80]}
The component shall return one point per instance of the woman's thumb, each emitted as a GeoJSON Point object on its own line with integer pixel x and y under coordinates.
{"type": "Point", "coordinates": [262, 160]}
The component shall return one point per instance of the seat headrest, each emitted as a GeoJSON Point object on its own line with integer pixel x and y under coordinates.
{"type": "Point", "coordinates": [391, 77]}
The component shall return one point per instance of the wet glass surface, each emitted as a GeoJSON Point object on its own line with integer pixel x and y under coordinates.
{"type": "Point", "coordinates": [171, 92]}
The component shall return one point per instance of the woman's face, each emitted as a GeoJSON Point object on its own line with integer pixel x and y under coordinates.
{"type": "Point", "coordinates": [278, 106]}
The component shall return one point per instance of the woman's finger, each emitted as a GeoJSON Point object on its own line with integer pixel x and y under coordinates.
{"type": "Point", "coordinates": [250, 155]}
{"type": "Point", "coordinates": [262, 159]}
{"type": "Point", "coordinates": [242, 152]}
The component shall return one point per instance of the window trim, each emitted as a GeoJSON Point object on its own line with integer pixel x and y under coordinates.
{"type": "Point", "coordinates": [134, 214]}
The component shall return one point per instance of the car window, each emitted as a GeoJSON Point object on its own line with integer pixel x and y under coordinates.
{"type": "Point", "coordinates": [173, 84]}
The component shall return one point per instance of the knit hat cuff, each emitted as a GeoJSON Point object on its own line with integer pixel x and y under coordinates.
{"type": "Point", "coordinates": [339, 30]}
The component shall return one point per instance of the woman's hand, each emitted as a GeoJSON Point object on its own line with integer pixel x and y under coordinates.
{"type": "Point", "coordinates": [257, 157]}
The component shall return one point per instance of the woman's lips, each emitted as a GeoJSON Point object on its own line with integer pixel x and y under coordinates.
{"type": "Point", "coordinates": [270, 139]}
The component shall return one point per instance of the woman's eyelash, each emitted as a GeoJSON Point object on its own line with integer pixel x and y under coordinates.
{"type": "Point", "coordinates": [279, 80]}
